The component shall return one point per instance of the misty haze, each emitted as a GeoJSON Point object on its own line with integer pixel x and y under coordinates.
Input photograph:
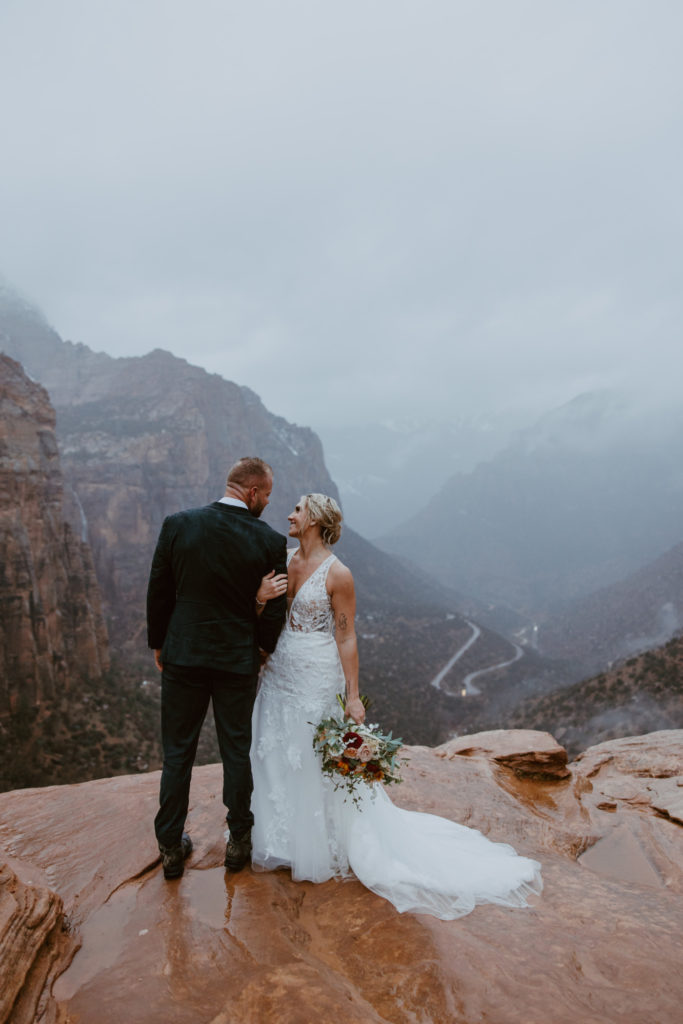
{"type": "Point", "coordinates": [425, 259]}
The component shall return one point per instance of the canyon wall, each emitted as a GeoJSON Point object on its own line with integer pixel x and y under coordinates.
{"type": "Point", "coordinates": [52, 632]}
{"type": "Point", "coordinates": [143, 437]}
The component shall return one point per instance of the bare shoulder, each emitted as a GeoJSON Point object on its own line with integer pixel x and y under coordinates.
{"type": "Point", "coordinates": [340, 576]}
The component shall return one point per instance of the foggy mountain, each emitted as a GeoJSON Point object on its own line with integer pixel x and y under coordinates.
{"type": "Point", "coordinates": [144, 436]}
{"type": "Point", "coordinates": [52, 634]}
{"type": "Point", "coordinates": [141, 437]}
{"type": "Point", "coordinates": [65, 714]}
{"type": "Point", "coordinates": [640, 612]}
{"type": "Point", "coordinates": [590, 493]}
{"type": "Point", "coordinates": [386, 470]}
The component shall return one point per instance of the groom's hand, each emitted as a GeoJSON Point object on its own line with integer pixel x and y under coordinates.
{"type": "Point", "coordinates": [157, 660]}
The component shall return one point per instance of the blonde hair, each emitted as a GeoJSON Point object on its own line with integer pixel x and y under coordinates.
{"type": "Point", "coordinates": [324, 511]}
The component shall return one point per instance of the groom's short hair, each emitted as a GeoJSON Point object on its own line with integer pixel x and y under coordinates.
{"type": "Point", "coordinates": [247, 469]}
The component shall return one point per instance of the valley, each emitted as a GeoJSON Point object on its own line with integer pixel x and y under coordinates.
{"type": "Point", "coordinates": [466, 635]}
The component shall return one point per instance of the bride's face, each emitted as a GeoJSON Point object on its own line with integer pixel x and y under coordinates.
{"type": "Point", "coordinates": [298, 520]}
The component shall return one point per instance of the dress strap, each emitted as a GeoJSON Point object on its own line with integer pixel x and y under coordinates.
{"type": "Point", "coordinates": [325, 567]}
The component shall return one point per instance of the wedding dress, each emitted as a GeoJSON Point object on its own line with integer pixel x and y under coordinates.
{"type": "Point", "coordinates": [419, 862]}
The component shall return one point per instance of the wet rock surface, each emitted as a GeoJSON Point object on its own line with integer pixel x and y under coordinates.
{"type": "Point", "coordinates": [33, 947]}
{"type": "Point", "coordinates": [601, 944]}
{"type": "Point", "coordinates": [529, 754]}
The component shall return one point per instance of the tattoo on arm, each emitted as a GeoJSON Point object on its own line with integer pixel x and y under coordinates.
{"type": "Point", "coordinates": [342, 622]}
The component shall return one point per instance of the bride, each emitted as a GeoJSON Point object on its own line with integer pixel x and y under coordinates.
{"type": "Point", "coordinates": [419, 862]}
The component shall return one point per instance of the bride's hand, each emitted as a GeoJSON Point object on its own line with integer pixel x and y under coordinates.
{"type": "Point", "coordinates": [271, 586]}
{"type": "Point", "coordinates": [355, 710]}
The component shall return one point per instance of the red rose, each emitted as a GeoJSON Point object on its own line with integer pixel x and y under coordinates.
{"type": "Point", "coordinates": [352, 739]}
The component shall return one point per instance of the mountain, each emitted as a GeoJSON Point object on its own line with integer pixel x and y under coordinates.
{"type": "Point", "coordinates": [640, 612]}
{"type": "Point", "coordinates": [641, 694]}
{"type": "Point", "coordinates": [142, 437]}
{"type": "Point", "coordinates": [589, 494]}
{"type": "Point", "coordinates": [385, 470]}
{"type": "Point", "coordinates": [53, 640]}
{"type": "Point", "coordinates": [52, 632]}
{"type": "Point", "coordinates": [89, 930]}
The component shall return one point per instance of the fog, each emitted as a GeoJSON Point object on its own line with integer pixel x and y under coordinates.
{"type": "Point", "coordinates": [418, 211]}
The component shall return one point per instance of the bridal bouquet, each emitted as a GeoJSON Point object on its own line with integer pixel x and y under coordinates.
{"type": "Point", "coordinates": [352, 754]}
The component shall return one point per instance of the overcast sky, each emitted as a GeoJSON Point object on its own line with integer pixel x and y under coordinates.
{"type": "Point", "coordinates": [362, 209]}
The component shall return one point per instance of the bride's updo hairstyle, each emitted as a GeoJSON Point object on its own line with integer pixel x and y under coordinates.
{"type": "Point", "coordinates": [326, 513]}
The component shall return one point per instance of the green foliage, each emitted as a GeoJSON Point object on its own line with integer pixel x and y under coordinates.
{"type": "Point", "coordinates": [651, 691]}
{"type": "Point", "coordinates": [106, 728]}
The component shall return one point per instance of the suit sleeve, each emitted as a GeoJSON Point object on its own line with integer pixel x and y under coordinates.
{"type": "Point", "coordinates": [161, 590]}
{"type": "Point", "coordinates": [272, 618]}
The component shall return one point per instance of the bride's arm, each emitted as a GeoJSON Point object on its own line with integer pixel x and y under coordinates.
{"type": "Point", "coordinates": [271, 586]}
{"type": "Point", "coordinates": [343, 601]}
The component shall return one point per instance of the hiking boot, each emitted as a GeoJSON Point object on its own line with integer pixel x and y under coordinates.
{"type": "Point", "coordinates": [173, 857]}
{"type": "Point", "coordinates": [238, 851]}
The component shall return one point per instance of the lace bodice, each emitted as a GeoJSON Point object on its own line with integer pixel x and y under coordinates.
{"type": "Point", "coordinates": [311, 609]}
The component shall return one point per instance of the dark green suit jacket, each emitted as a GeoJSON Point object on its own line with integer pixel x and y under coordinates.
{"type": "Point", "coordinates": [206, 569]}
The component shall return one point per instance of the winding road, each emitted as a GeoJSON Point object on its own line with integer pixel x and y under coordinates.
{"type": "Point", "coordinates": [470, 689]}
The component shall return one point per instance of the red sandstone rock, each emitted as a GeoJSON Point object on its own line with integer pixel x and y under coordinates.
{"type": "Point", "coordinates": [33, 947]}
{"type": "Point", "coordinates": [52, 631]}
{"type": "Point", "coordinates": [601, 944]}
{"type": "Point", "coordinates": [527, 753]}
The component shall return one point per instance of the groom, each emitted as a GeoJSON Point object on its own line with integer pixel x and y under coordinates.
{"type": "Point", "coordinates": [208, 640]}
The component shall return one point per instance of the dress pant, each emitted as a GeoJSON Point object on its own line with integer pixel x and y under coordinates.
{"type": "Point", "coordinates": [185, 695]}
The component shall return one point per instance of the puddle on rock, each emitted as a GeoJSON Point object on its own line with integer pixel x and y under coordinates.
{"type": "Point", "coordinates": [620, 856]}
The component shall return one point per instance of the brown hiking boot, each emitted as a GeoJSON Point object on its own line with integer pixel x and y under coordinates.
{"type": "Point", "coordinates": [238, 852]}
{"type": "Point", "coordinates": [173, 857]}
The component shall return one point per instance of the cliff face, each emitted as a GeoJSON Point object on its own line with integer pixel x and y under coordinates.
{"type": "Point", "coordinates": [152, 435]}
{"type": "Point", "coordinates": [52, 632]}
{"type": "Point", "coordinates": [143, 437]}
{"type": "Point", "coordinates": [601, 944]}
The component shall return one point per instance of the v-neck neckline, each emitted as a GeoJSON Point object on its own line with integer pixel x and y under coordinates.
{"type": "Point", "coordinates": [310, 576]}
